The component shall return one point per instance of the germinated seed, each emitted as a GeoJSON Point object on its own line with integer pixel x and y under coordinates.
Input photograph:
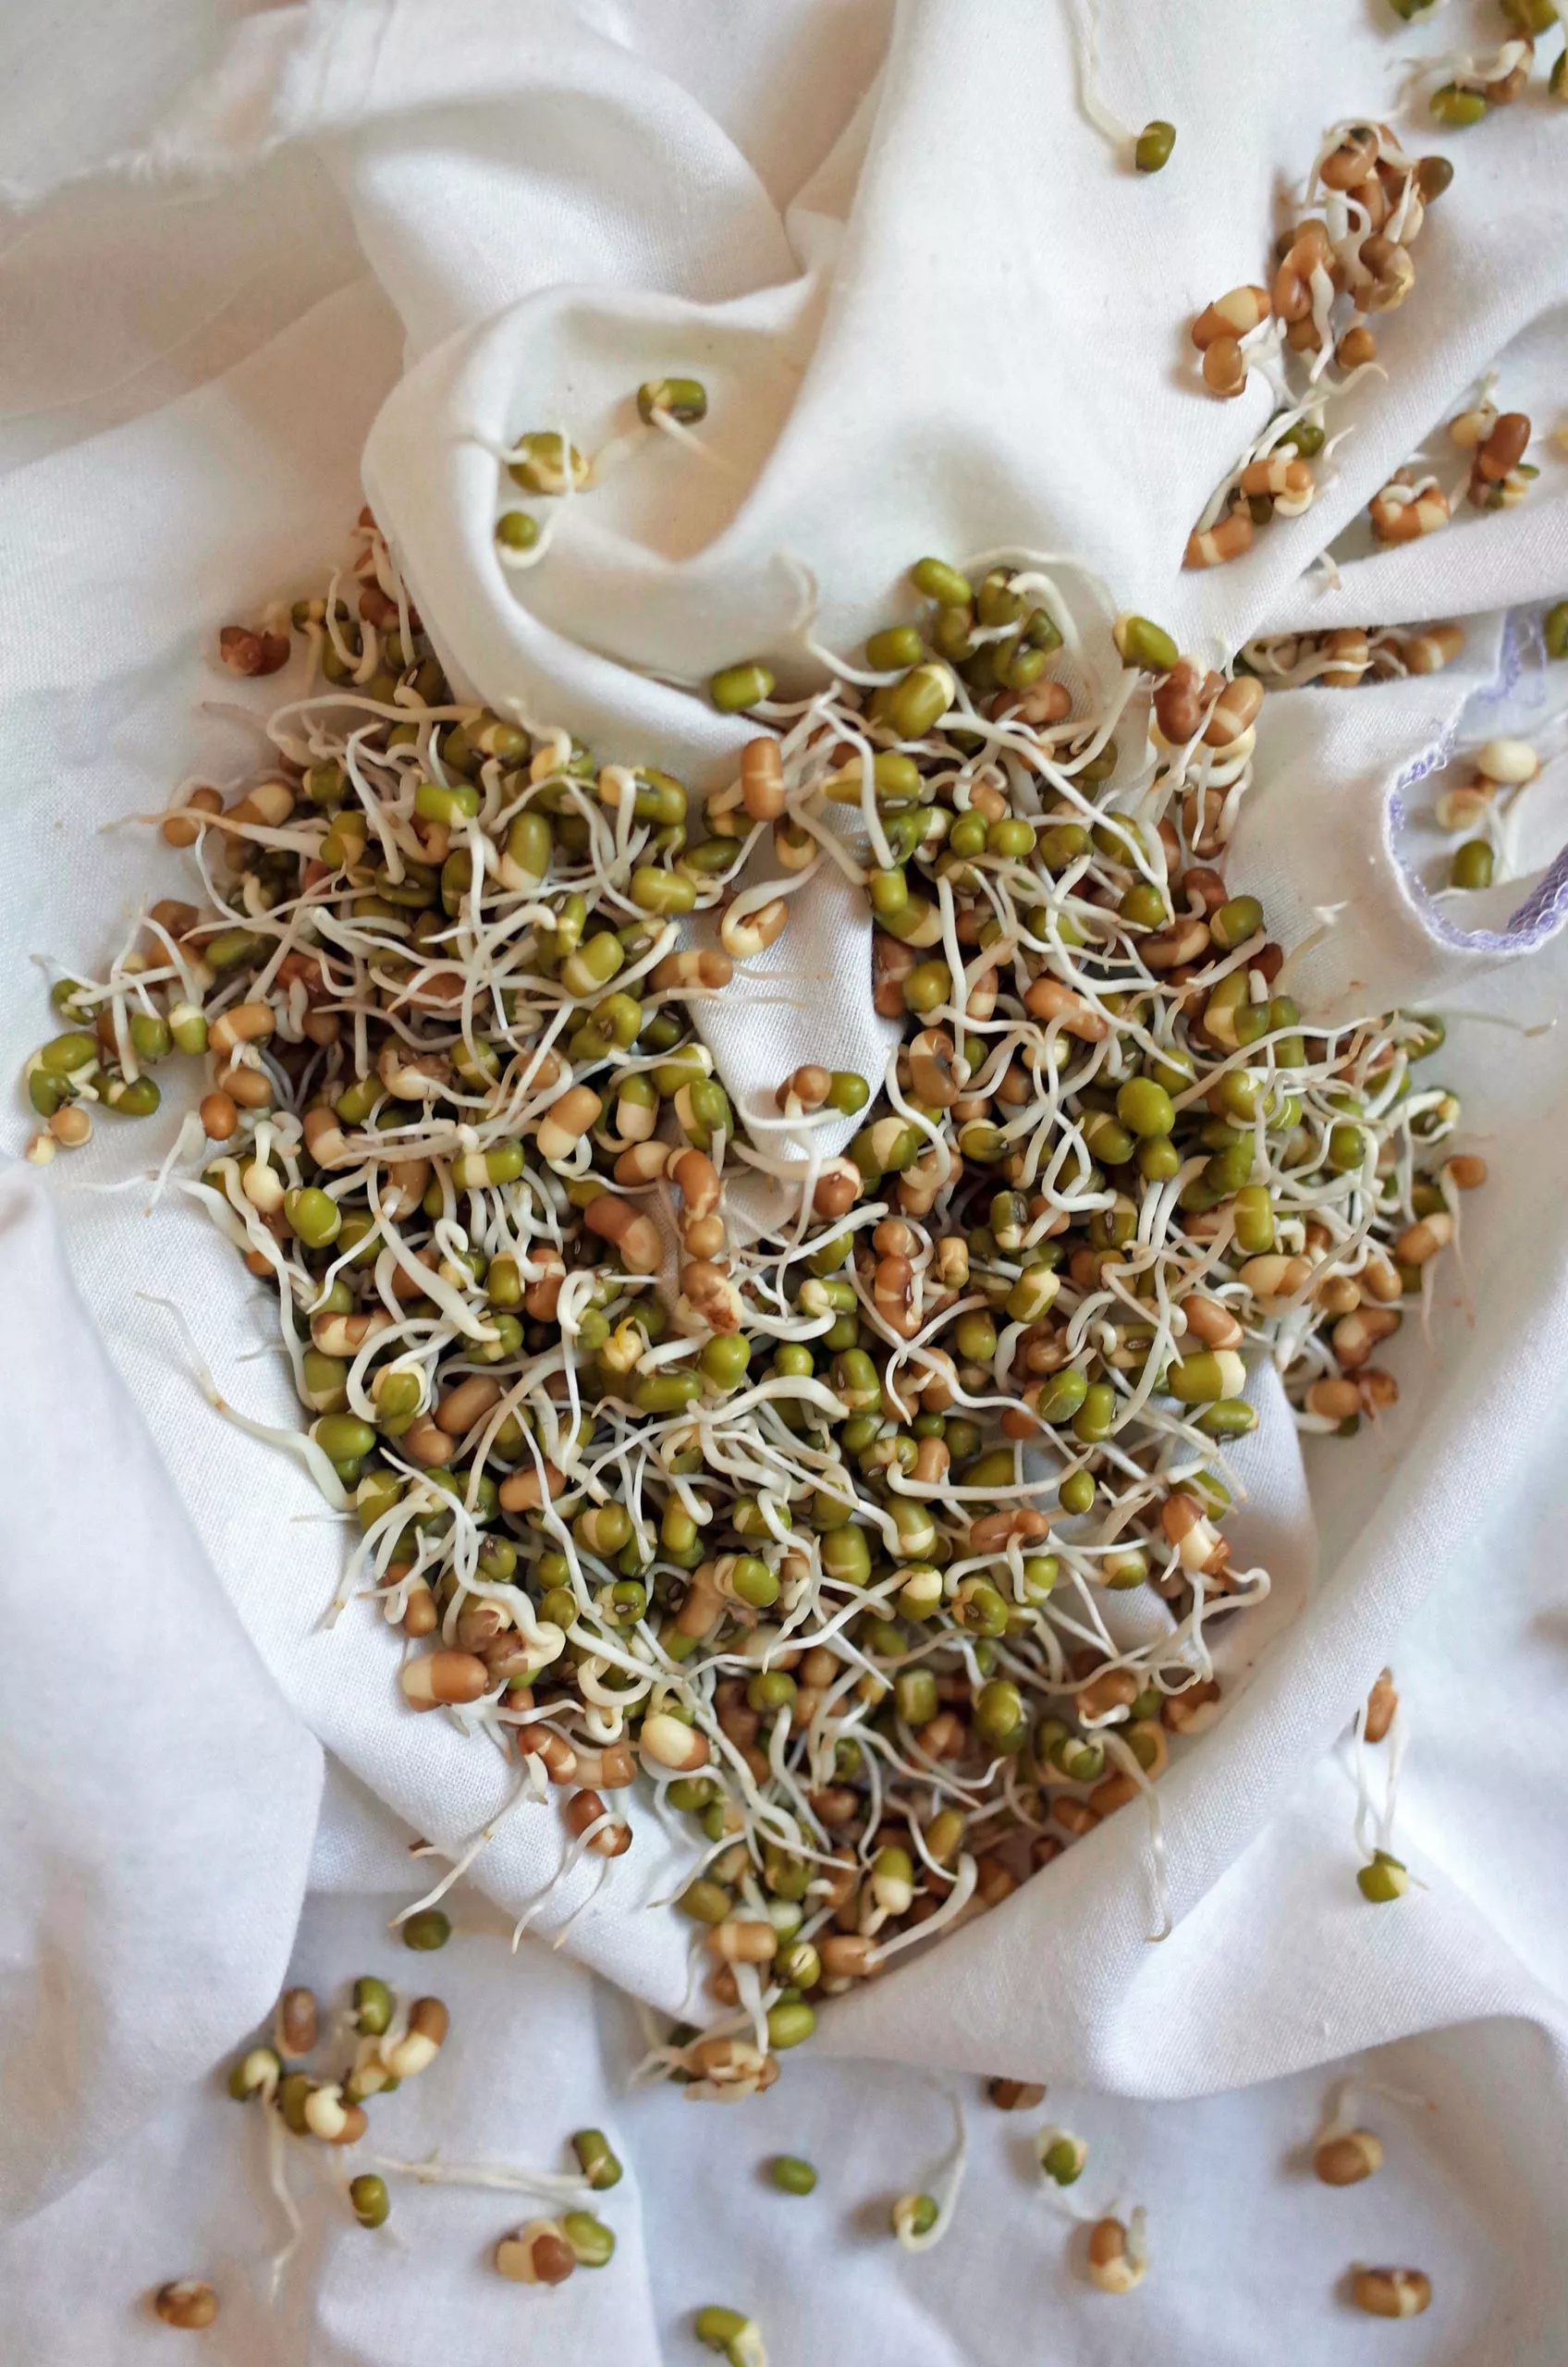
{"type": "Point", "coordinates": [186, 2303]}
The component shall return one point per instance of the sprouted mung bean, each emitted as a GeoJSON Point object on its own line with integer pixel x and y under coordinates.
{"type": "Point", "coordinates": [429, 1930]}
{"type": "Point", "coordinates": [295, 2024]}
{"type": "Point", "coordinates": [1344, 2153]}
{"type": "Point", "coordinates": [737, 2336]}
{"type": "Point", "coordinates": [816, 1541]}
{"type": "Point", "coordinates": [1117, 2254]}
{"type": "Point", "coordinates": [920, 2219]}
{"type": "Point", "coordinates": [1381, 1704]}
{"type": "Point", "coordinates": [1145, 152]}
{"type": "Point", "coordinates": [1015, 2096]}
{"type": "Point", "coordinates": [1061, 2155]}
{"type": "Point", "coordinates": [186, 2303]}
{"type": "Point", "coordinates": [1473, 865]}
{"type": "Point", "coordinates": [1392, 2292]}
{"type": "Point", "coordinates": [912, 2216]}
{"type": "Point", "coordinates": [592, 2244]}
{"type": "Point", "coordinates": [1496, 441]}
{"type": "Point", "coordinates": [371, 2202]}
{"type": "Point", "coordinates": [1347, 2159]}
{"type": "Point", "coordinates": [1384, 1880]}
{"type": "Point", "coordinates": [536, 2253]}
{"type": "Point", "coordinates": [1309, 327]}
{"type": "Point", "coordinates": [1152, 150]}
{"type": "Point", "coordinates": [597, 2158]}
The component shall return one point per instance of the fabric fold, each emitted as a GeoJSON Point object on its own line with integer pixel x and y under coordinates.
{"type": "Point", "coordinates": [157, 1792]}
{"type": "Point", "coordinates": [962, 327]}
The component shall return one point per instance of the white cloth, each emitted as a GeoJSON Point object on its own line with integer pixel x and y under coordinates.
{"type": "Point", "coordinates": [931, 312]}
{"type": "Point", "coordinates": [1249, 2253]}
{"type": "Point", "coordinates": [159, 1792]}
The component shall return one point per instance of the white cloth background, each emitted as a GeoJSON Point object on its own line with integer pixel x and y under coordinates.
{"type": "Point", "coordinates": [933, 313]}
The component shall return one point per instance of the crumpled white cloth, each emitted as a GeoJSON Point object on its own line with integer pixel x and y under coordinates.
{"type": "Point", "coordinates": [932, 314]}
{"type": "Point", "coordinates": [153, 1780]}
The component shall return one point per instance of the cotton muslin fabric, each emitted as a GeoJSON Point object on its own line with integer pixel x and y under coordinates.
{"type": "Point", "coordinates": [367, 244]}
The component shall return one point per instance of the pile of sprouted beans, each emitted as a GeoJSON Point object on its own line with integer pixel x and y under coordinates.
{"type": "Point", "coordinates": [810, 1521]}
{"type": "Point", "coordinates": [815, 1531]}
